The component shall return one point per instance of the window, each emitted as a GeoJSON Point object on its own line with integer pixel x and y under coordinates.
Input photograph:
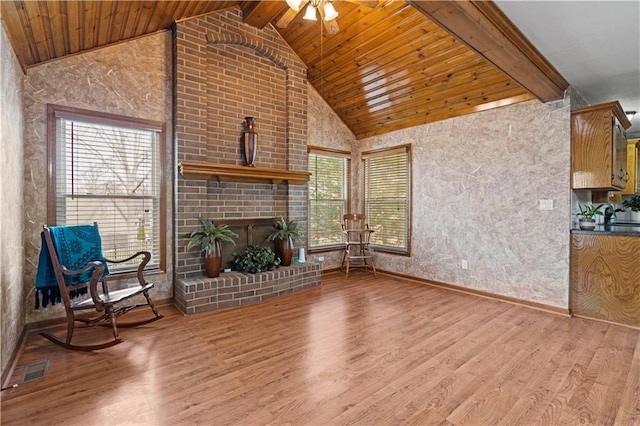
{"type": "Point", "coordinates": [387, 195]}
{"type": "Point", "coordinates": [328, 197]}
{"type": "Point", "coordinates": [108, 169]}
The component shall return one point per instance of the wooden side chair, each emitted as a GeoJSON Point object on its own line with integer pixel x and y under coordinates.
{"type": "Point", "coordinates": [357, 253]}
{"type": "Point", "coordinates": [72, 257]}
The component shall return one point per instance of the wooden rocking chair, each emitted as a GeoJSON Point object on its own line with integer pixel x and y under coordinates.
{"type": "Point", "coordinates": [107, 304]}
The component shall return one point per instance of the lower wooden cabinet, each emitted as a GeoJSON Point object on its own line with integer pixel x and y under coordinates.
{"type": "Point", "coordinates": [605, 277]}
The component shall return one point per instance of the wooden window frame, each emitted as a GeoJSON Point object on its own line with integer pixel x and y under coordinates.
{"type": "Point", "coordinates": [54, 112]}
{"type": "Point", "coordinates": [330, 152]}
{"type": "Point", "coordinates": [406, 148]}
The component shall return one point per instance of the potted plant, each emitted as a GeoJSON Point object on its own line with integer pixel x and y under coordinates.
{"type": "Point", "coordinates": [587, 216]}
{"type": "Point", "coordinates": [209, 237]}
{"type": "Point", "coordinates": [285, 233]}
{"type": "Point", "coordinates": [255, 259]}
{"type": "Point", "coordinates": [633, 203]}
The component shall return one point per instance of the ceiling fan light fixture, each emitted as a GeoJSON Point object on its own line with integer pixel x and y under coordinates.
{"type": "Point", "coordinates": [330, 12]}
{"type": "Point", "coordinates": [294, 4]}
{"type": "Point", "coordinates": [310, 13]}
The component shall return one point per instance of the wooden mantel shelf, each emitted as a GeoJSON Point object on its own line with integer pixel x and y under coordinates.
{"type": "Point", "coordinates": [230, 173]}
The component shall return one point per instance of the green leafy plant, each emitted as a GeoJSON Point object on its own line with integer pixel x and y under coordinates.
{"type": "Point", "coordinates": [284, 229]}
{"type": "Point", "coordinates": [255, 259]}
{"type": "Point", "coordinates": [632, 203]}
{"type": "Point", "coordinates": [589, 211]}
{"type": "Point", "coordinates": [208, 234]}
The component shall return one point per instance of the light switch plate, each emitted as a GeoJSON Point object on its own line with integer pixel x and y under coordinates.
{"type": "Point", "coordinates": [546, 204]}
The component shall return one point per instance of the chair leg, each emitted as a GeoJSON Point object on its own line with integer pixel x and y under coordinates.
{"type": "Point", "coordinates": [150, 303]}
{"type": "Point", "coordinates": [70, 325]}
{"type": "Point", "coordinates": [373, 266]}
{"type": "Point", "coordinates": [156, 315]}
{"type": "Point", "coordinates": [66, 343]}
{"type": "Point", "coordinates": [112, 319]}
{"type": "Point", "coordinates": [344, 257]}
{"type": "Point", "coordinates": [348, 260]}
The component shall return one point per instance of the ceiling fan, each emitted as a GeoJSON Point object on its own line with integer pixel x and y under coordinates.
{"type": "Point", "coordinates": [325, 8]}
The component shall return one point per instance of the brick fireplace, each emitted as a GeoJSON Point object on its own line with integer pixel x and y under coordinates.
{"type": "Point", "coordinates": [225, 71]}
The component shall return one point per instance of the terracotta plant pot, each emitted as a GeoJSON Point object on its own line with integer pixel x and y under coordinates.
{"type": "Point", "coordinates": [285, 250]}
{"type": "Point", "coordinates": [213, 261]}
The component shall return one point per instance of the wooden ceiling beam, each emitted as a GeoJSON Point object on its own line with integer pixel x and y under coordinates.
{"type": "Point", "coordinates": [484, 28]}
{"type": "Point", "coordinates": [260, 13]}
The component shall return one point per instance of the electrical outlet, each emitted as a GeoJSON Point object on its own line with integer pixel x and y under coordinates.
{"type": "Point", "coordinates": [546, 205]}
{"type": "Point", "coordinates": [320, 258]}
{"type": "Point", "coordinates": [464, 264]}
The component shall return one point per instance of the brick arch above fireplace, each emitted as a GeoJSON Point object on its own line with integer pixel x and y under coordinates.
{"type": "Point", "coordinates": [255, 45]}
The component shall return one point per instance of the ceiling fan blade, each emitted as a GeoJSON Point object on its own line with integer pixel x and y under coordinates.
{"type": "Point", "coordinates": [331, 26]}
{"type": "Point", "coordinates": [289, 15]}
{"type": "Point", "coordinates": [368, 3]}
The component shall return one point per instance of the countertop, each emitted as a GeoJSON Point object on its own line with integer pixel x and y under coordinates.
{"type": "Point", "coordinates": [625, 229]}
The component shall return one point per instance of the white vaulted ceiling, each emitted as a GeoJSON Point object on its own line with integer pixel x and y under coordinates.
{"type": "Point", "coordinates": [595, 45]}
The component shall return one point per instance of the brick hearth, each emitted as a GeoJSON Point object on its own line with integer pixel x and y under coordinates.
{"type": "Point", "coordinates": [201, 294]}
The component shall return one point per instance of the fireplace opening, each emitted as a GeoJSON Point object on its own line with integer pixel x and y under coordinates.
{"type": "Point", "coordinates": [250, 232]}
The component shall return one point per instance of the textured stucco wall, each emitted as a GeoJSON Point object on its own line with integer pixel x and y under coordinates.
{"type": "Point", "coordinates": [327, 130]}
{"type": "Point", "coordinates": [477, 181]}
{"type": "Point", "coordinates": [11, 203]}
{"type": "Point", "coordinates": [133, 79]}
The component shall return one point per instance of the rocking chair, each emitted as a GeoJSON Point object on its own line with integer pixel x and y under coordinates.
{"type": "Point", "coordinates": [81, 248]}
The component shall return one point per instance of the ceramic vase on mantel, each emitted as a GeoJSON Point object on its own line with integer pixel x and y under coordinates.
{"type": "Point", "coordinates": [249, 141]}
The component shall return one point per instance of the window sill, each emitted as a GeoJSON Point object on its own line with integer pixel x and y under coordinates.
{"type": "Point", "coordinates": [388, 250]}
{"type": "Point", "coordinates": [324, 249]}
{"type": "Point", "coordinates": [133, 274]}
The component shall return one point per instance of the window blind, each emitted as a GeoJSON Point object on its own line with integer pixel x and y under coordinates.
{"type": "Point", "coordinates": [110, 174]}
{"type": "Point", "coordinates": [328, 197]}
{"type": "Point", "coordinates": [387, 197]}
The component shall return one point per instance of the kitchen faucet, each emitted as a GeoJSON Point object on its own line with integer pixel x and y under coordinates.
{"type": "Point", "coordinates": [610, 213]}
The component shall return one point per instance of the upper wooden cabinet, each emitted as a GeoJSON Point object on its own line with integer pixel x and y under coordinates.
{"type": "Point", "coordinates": [633, 167]}
{"type": "Point", "coordinates": [599, 147]}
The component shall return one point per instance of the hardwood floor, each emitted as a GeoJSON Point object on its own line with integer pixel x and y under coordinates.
{"type": "Point", "coordinates": [364, 351]}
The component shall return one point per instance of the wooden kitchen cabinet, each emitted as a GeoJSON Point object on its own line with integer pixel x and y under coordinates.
{"type": "Point", "coordinates": [605, 277]}
{"type": "Point", "coordinates": [599, 147]}
{"type": "Point", "coordinates": [633, 167]}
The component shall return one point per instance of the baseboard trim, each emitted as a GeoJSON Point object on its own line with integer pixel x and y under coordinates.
{"type": "Point", "coordinates": [485, 294]}
{"type": "Point", "coordinates": [8, 372]}
{"type": "Point", "coordinates": [633, 327]}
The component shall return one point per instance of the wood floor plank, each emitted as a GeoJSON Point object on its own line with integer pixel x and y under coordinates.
{"type": "Point", "coordinates": [359, 351]}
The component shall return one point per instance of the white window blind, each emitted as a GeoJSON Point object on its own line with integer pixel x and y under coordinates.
{"type": "Point", "coordinates": [328, 197]}
{"type": "Point", "coordinates": [387, 187]}
{"type": "Point", "coordinates": [111, 174]}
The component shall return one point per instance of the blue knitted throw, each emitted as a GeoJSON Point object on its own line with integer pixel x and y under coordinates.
{"type": "Point", "coordinates": [75, 246]}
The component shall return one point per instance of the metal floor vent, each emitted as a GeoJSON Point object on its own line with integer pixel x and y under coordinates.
{"type": "Point", "coordinates": [35, 371]}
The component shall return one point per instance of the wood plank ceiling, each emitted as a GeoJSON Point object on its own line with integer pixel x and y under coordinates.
{"type": "Point", "coordinates": [392, 66]}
